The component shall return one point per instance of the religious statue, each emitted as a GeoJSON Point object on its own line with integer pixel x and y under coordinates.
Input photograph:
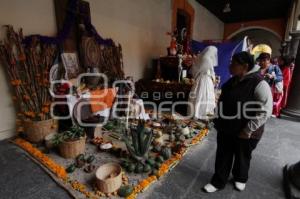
{"type": "Point", "coordinates": [172, 50]}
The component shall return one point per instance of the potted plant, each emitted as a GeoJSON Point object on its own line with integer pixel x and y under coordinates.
{"type": "Point", "coordinates": [138, 145]}
{"type": "Point", "coordinates": [70, 143]}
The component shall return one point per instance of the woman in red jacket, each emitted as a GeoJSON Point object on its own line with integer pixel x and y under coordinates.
{"type": "Point", "coordinates": [285, 63]}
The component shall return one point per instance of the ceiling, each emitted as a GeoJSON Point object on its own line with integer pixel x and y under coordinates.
{"type": "Point", "coordinates": [247, 10]}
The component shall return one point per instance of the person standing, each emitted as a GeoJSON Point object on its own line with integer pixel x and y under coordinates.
{"type": "Point", "coordinates": [285, 64]}
{"type": "Point", "coordinates": [244, 106]}
{"type": "Point", "coordinates": [202, 95]}
{"type": "Point", "coordinates": [275, 61]}
{"type": "Point", "coordinates": [271, 73]}
{"type": "Point", "coordinates": [273, 76]}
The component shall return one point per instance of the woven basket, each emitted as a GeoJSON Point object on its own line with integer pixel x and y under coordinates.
{"type": "Point", "coordinates": [71, 149]}
{"type": "Point", "coordinates": [105, 183]}
{"type": "Point", "coordinates": [37, 131]}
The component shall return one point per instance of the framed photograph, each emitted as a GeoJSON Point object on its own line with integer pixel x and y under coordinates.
{"type": "Point", "coordinates": [71, 65]}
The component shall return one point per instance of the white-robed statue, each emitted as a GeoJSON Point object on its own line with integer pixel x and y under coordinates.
{"type": "Point", "coordinates": [202, 96]}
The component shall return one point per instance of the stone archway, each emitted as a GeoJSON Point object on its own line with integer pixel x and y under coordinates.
{"type": "Point", "coordinates": [259, 35]}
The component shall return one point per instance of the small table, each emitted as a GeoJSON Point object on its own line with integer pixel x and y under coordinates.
{"type": "Point", "coordinates": [168, 68]}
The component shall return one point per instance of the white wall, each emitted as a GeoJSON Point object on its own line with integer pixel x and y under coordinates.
{"type": "Point", "coordinates": [34, 16]}
{"type": "Point", "coordinates": [140, 26]}
{"type": "Point", "coordinates": [206, 26]}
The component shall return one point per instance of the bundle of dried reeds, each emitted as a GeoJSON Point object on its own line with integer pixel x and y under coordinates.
{"type": "Point", "coordinates": [28, 72]}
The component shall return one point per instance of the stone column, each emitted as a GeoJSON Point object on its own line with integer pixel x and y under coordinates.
{"type": "Point", "coordinates": [285, 45]}
{"type": "Point", "coordinates": [293, 106]}
{"type": "Point", "coordinates": [291, 179]}
{"type": "Point", "coordinates": [294, 174]}
{"type": "Point", "coordinates": [294, 43]}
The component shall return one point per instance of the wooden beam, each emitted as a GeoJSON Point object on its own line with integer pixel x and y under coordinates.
{"type": "Point", "coordinates": [70, 44]}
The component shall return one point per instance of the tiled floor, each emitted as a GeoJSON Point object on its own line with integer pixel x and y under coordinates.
{"type": "Point", "coordinates": [22, 179]}
{"type": "Point", "coordinates": [279, 146]}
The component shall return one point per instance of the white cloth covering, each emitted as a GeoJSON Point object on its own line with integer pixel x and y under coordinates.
{"type": "Point", "coordinates": [72, 100]}
{"type": "Point", "coordinates": [202, 96]}
{"type": "Point", "coordinates": [140, 112]}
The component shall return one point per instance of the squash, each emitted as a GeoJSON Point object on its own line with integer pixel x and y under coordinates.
{"type": "Point", "coordinates": [168, 130]}
{"type": "Point", "coordinates": [157, 165]}
{"type": "Point", "coordinates": [185, 130]}
{"type": "Point", "coordinates": [90, 159]}
{"type": "Point", "coordinates": [158, 134]}
{"type": "Point", "coordinates": [158, 141]}
{"type": "Point", "coordinates": [166, 153]}
{"type": "Point", "coordinates": [177, 147]}
{"type": "Point", "coordinates": [177, 136]}
{"type": "Point", "coordinates": [154, 172]}
{"type": "Point", "coordinates": [71, 168]}
{"type": "Point", "coordinates": [151, 162]}
{"type": "Point", "coordinates": [80, 157]}
{"type": "Point", "coordinates": [125, 191]}
{"type": "Point", "coordinates": [157, 149]}
{"type": "Point", "coordinates": [139, 168]}
{"type": "Point", "coordinates": [131, 167]}
{"type": "Point", "coordinates": [160, 159]}
{"type": "Point", "coordinates": [200, 125]}
{"type": "Point", "coordinates": [79, 163]}
{"type": "Point", "coordinates": [90, 168]}
{"type": "Point", "coordinates": [125, 164]}
{"type": "Point", "coordinates": [182, 138]}
{"type": "Point", "coordinates": [146, 168]}
{"type": "Point", "coordinates": [172, 137]}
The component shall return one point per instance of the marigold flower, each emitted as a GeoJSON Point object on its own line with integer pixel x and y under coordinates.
{"type": "Point", "coordinates": [48, 103]}
{"type": "Point", "coordinates": [20, 129]}
{"type": "Point", "coordinates": [16, 82]}
{"type": "Point", "coordinates": [45, 109]}
{"type": "Point", "coordinates": [26, 97]}
{"type": "Point", "coordinates": [45, 160]}
{"type": "Point", "coordinates": [22, 57]}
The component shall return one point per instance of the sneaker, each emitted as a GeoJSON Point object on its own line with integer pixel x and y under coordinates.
{"type": "Point", "coordinates": [240, 186]}
{"type": "Point", "coordinates": [209, 188]}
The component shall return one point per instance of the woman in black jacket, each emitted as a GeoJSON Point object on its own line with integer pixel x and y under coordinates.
{"type": "Point", "coordinates": [243, 108]}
